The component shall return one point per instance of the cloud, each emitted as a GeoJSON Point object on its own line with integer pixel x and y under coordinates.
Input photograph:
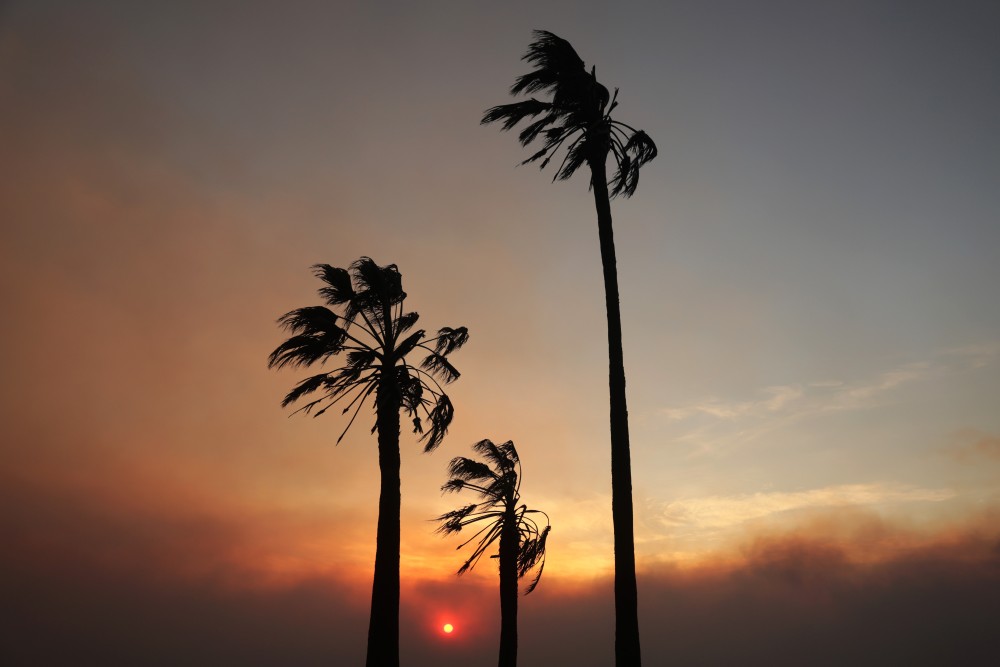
{"type": "Point", "coordinates": [972, 445]}
{"type": "Point", "coordinates": [688, 530]}
{"type": "Point", "coordinates": [978, 355]}
{"type": "Point", "coordinates": [787, 598]}
{"type": "Point", "coordinates": [712, 425]}
{"type": "Point", "coordinates": [837, 395]}
{"type": "Point", "coordinates": [789, 401]}
{"type": "Point", "coordinates": [713, 512]}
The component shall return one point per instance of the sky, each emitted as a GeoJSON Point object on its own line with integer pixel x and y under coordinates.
{"type": "Point", "coordinates": [808, 280]}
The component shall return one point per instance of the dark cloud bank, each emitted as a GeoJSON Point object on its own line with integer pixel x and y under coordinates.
{"type": "Point", "coordinates": [793, 600]}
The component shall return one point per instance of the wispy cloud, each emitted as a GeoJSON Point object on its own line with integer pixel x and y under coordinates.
{"type": "Point", "coordinates": [977, 356]}
{"type": "Point", "coordinates": [711, 423]}
{"type": "Point", "coordinates": [774, 400]}
{"type": "Point", "coordinates": [719, 512]}
{"type": "Point", "coordinates": [813, 397]}
{"type": "Point", "coordinates": [973, 446]}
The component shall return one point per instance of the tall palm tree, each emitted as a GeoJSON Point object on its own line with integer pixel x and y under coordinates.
{"type": "Point", "coordinates": [578, 115]}
{"type": "Point", "coordinates": [370, 327]}
{"type": "Point", "coordinates": [505, 519]}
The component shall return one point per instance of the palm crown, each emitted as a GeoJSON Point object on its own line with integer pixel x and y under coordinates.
{"type": "Point", "coordinates": [498, 483]}
{"type": "Point", "coordinates": [370, 330]}
{"type": "Point", "coordinates": [579, 113]}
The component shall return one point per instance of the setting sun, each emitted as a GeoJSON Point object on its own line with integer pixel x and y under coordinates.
{"type": "Point", "coordinates": [448, 628]}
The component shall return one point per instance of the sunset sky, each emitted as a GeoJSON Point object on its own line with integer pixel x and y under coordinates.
{"type": "Point", "coordinates": [809, 275]}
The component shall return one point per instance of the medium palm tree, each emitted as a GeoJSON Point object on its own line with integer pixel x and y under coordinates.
{"type": "Point", "coordinates": [521, 542]}
{"type": "Point", "coordinates": [370, 327]}
{"type": "Point", "coordinates": [578, 116]}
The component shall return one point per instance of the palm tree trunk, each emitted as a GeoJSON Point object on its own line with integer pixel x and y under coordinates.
{"type": "Point", "coordinates": [383, 626]}
{"type": "Point", "coordinates": [508, 590]}
{"type": "Point", "coordinates": [627, 652]}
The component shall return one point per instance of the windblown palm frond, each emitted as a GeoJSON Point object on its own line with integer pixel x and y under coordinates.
{"type": "Point", "coordinates": [368, 328]}
{"type": "Point", "coordinates": [497, 481]}
{"type": "Point", "coordinates": [577, 117]}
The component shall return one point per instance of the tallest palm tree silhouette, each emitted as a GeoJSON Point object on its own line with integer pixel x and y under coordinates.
{"type": "Point", "coordinates": [578, 116]}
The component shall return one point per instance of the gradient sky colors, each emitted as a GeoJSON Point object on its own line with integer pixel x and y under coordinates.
{"type": "Point", "coordinates": [809, 282]}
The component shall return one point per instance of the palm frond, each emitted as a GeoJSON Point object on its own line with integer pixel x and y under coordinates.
{"type": "Point", "coordinates": [576, 157]}
{"type": "Point", "coordinates": [440, 419]}
{"type": "Point", "coordinates": [465, 470]}
{"type": "Point", "coordinates": [338, 290]}
{"type": "Point", "coordinates": [304, 350]}
{"type": "Point", "coordinates": [451, 522]}
{"type": "Point", "coordinates": [513, 113]}
{"type": "Point", "coordinates": [411, 392]}
{"type": "Point", "coordinates": [503, 457]}
{"type": "Point", "coordinates": [492, 534]}
{"type": "Point", "coordinates": [406, 346]}
{"type": "Point", "coordinates": [529, 133]}
{"type": "Point", "coordinates": [361, 359]}
{"type": "Point", "coordinates": [307, 386]}
{"type": "Point", "coordinates": [554, 59]}
{"type": "Point", "coordinates": [405, 322]}
{"type": "Point", "coordinates": [449, 340]}
{"type": "Point", "coordinates": [441, 367]}
{"type": "Point", "coordinates": [639, 150]}
{"type": "Point", "coordinates": [310, 320]}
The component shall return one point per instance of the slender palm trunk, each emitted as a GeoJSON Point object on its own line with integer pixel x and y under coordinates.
{"type": "Point", "coordinates": [383, 626]}
{"type": "Point", "coordinates": [508, 590]}
{"type": "Point", "coordinates": [626, 600]}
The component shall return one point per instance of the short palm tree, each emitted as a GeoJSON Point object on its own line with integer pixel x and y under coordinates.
{"type": "Point", "coordinates": [578, 116]}
{"type": "Point", "coordinates": [370, 327]}
{"type": "Point", "coordinates": [503, 518]}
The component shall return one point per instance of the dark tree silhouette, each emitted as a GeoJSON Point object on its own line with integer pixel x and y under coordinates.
{"type": "Point", "coordinates": [371, 328]}
{"type": "Point", "coordinates": [579, 117]}
{"type": "Point", "coordinates": [503, 518]}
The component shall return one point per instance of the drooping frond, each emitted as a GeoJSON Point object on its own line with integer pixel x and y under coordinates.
{"type": "Point", "coordinates": [449, 340]}
{"type": "Point", "coordinates": [440, 419]}
{"type": "Point", "coordinates": [441, 367]}
{"type": "Point", "coordinates": [411, 396]}
{"type": "Point", "coordinates": [532, 553]}
{"type": "Point", "coordinates": [637, 151]}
